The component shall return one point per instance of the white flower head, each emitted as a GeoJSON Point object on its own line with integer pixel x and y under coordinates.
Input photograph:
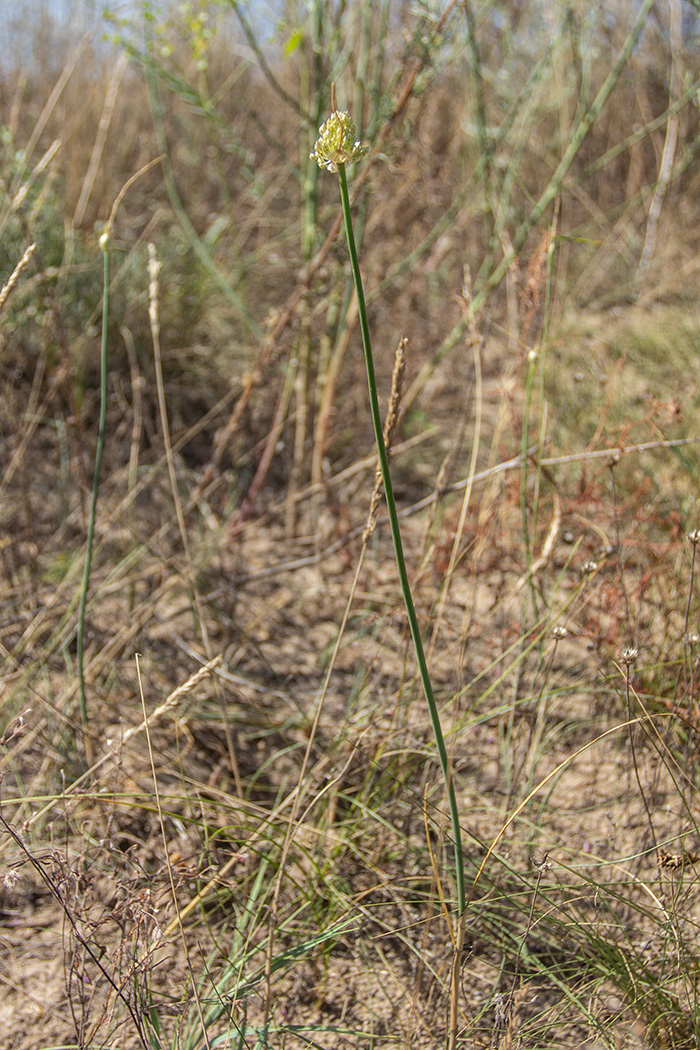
{"type": "Point", "coordinates": [10, 878]}
{"type": "Point", "coordinates": [336, 143]}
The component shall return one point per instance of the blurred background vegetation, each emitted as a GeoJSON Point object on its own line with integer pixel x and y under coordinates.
{"type": "Point", "coordinates": [229, 95]}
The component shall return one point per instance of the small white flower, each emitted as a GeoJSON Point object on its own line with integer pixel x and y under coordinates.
{"type": "Point", "coordinates": [10, 878]}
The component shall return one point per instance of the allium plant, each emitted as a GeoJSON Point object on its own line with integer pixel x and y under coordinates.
{"type": "Point", "coordinates": [337, 146]}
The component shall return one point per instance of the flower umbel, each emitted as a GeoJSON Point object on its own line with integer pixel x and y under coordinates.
{"type": "Point", "coordinates": [336, 143]}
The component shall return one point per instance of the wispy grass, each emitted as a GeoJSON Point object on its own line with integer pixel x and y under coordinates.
{"type": "Point", "coordinates": [278, 869]}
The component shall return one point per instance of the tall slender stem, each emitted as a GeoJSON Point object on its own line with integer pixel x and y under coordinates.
{"type": "Point", "coordinates": [398, 548]}
{"type": "Point", "coordinates": [80, 635]}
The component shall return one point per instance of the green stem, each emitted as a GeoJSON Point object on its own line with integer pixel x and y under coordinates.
{"type": "Point", "coordinates": [80, 636]}
{"type": "Point", "coordinates": [194, 240]}
{"type": "Point", "coordinates": [398, 548]}
{"type": "Point", "coordinates": [578, 135]}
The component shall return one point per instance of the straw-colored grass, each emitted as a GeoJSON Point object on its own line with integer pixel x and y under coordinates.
{"type": "Point", "coordinates": [254, 848]}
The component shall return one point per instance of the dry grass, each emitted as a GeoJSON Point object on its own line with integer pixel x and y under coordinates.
{"type": "Point", "coordinates": [205, 884]}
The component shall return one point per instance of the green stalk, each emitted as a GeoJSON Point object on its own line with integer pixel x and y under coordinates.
{"type": "Point", "coordinates": [398, 547]}
{"type": "Point", "coordinates": [193, 239]}
{"type": "Point", "coordinates": [80, 636]}
{"type": "Point", "coordinates": [578, 134]}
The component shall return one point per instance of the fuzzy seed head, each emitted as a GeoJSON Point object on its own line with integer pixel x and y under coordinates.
{"type": "Point", "coordinates": [694, 536]}
{"type": "Point", "coordinates": [10, 879]}
{"type": "Point", "coordinates": [629, 656]}
{"type": "Point", "coordinates": [336, 143]}
{"type": "Point", "coordinates": [559, 631]}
